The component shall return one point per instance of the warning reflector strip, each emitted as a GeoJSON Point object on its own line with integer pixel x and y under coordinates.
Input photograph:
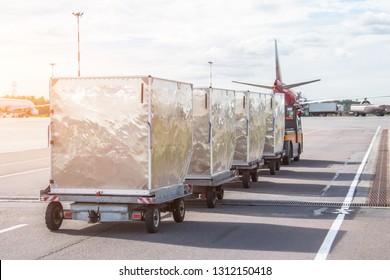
{"type": "Point", "coordinates": [144, 200]}
{"type": "Point", "coordinates": [49, 198]}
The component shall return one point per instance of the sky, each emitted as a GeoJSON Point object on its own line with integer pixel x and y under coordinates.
{"type": "Point", "coordinates": [344, 43]}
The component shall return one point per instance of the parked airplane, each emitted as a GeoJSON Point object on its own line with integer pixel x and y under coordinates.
{"type": "Point", "coordinates": [17, 107]}
{"type": "Point", "coordinates": [293, 134]}
{"type": "Point", "coordinates": [279, 87]}
{"type": "Point", "coordinates": [292, 98]}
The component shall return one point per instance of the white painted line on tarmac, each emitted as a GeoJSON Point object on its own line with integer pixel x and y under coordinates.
{"type": "Point", "coordinates": [22, 173]}
{"type": "Point", "coordinates": [335, 177]}
{"type": "Point", "coordinates": [12, 228]}
{"type": "Point", "coordinates": [25, 161]}
{"type": "Point", "coordinates": [324, 250]}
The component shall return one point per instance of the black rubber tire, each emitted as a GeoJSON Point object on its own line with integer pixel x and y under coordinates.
{"type": "Point", "coordinates": [272, 167]}
{"type": "Point", "coordinates": [254, 176]}
{"type": "Point", "coordinates": [278, 163]}
{"type": "Point", "coordinates": [220, 192]}
{"type": "Point", "coordinates": [288, 156]}
{"type": "Point", "coordinates": [246, 178]}
{"type": "Point", "coordinates": [54, 215]}
{"type": "Point", "coordinates": [211, 197]}
{"type": "Point", "coordinates": [152, 219]}
{"type": "Point", "coordinates": [178, 210]}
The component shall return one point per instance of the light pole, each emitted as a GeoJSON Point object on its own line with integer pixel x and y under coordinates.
{"type": "Point", "coordinates": [211, 74]}
{"type": "Point", "coordinates": [78, 15]}
{"type": "Point", "coordinates": [52, 69]}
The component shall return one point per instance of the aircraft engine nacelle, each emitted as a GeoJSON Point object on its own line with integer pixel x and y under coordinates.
{"type": "Point", "coordinates": [34, 111]}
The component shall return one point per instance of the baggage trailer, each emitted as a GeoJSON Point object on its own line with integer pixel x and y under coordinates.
{"type": "Point", "coordinates": [120, 149]}
{"type": "Point", "coordinates": [250, 135]}
{"type": "Point", "coordinates": [275, 129]}
{"type": "Point", "coordinates": [214, 143]}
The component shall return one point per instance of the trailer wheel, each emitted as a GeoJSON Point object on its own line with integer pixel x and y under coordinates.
{"type": "Point", "coordinates": [54, 215]}
{"type": "Point", "coordinates": [220, 192]}
{"type": "Point", "coordinates": [254, 176]}
{"type": "Point", "coordinates": [288, 154]}
{"type": "Point", "coordinates": [211, 197]}
{"type": "Point", "coordinates": [245, 179]}
{"type": "Point", "coordinates": [179, 210]}
{"type": "Point", "coordinates": [152, 218]}
{"type": "Point", "coordinates": [272, 167]}
{"type": "Point", "coordinates": [277, 165]}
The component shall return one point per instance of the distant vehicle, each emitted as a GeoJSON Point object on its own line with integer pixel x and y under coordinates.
{"type": "Point", "coordinates": [323, 109]}
{"type": "Point", "coordinates": [10, 107]}
{"type": "Point", "coordinates": [364, 109]}
{"type": "Point", "coordinates": [293, 138]}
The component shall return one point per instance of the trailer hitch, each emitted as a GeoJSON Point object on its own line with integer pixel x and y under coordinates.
{"type": "Point", "coordinates": [93, 216]}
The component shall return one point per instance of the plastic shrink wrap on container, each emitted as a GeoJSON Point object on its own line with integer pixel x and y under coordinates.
{"type": "Point", "coordinates": [120, 133]}
{"type": "Point", "coordinates": [251, 127]}
{"type": "Point", "coordinates": [214, 132]}
{"type": "Point", "coordinates": [275, 124]}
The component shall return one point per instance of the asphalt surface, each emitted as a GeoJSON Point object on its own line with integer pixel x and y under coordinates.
{"type": "Point", "coordinates": [288, 216]}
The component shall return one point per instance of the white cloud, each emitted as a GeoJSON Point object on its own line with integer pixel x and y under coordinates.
{"type": "Point", "coordinates": [341, 42]}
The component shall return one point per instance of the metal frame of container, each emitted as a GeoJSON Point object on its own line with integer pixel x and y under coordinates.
{"type": "Point", "coordinates": [275, 128]}
{"type": "Point", "coordinates": [214, 142]}
{"type": "Point", "coordinates": [120, 149]}
{"type": "Point", "coordinates": [250, 134]}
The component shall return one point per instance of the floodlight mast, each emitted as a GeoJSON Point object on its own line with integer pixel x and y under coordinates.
{"type": "Point", "coordinates": [78, 15]}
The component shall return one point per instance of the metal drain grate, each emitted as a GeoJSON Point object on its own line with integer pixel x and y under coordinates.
{"type": "Point", "coordinates": [244, 202]}
{"type": "Point", "coordinates": [379, 190]}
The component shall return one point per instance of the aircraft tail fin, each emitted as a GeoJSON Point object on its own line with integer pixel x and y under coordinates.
{"type": "Point", "coordinates": [254, 85]}
{"type": "Point", "coordinates": [278, 71]}
{"type": "Point", "coordinates": [300, 84]}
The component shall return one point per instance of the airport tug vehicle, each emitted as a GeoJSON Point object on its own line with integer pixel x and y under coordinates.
{"type": "Point", "coordinates": [293, 138]}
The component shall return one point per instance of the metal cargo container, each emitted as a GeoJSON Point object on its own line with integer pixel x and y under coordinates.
{"type": "Point", "coordinates": [214, 141]}
{"type": "Point", "coordinates": [120, 140]}
{"type": "Point", "coordinates": [316, 109]}
{"type": "Point", "coordinates": [275, 127]}
{"type": "Point", "coordinates": [250, 134]}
